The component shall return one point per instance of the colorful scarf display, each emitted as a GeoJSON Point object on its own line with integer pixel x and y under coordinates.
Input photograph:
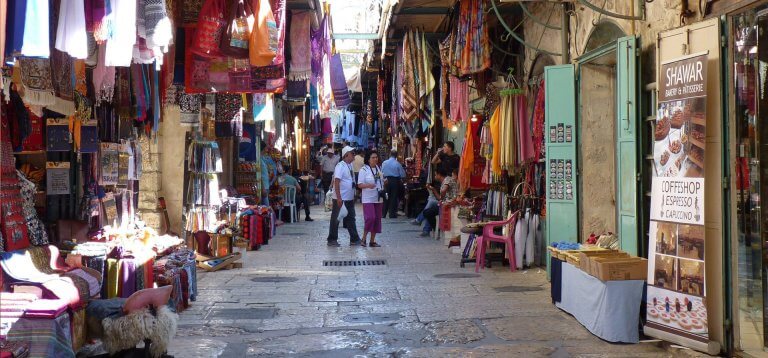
{"type": "Point", "coordinates": [301, 53]}
{"type": "Point", "coordinates": [471, 48]}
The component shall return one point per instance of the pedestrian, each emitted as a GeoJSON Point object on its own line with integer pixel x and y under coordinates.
{"type": "Point", "coordinates": [393, 182]}
{"type": "Point", "coordinates": [446, 158]}
{"type": "Point", "coordinates": [344, 195]}
{"type": "Point", "coordinates": [372, 184]}
{"type": "Point", "coordinates": [357, 165]}
{"type": "Point", "coordinates": [328, 164]}
{"type": "Point", "coordinates": [302, 197]}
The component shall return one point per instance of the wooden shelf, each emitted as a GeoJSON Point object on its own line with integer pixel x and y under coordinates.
{"type": "Point", "coordinates": [695, 161]}
{"type": "Point", "coordinates": [30, 152]}
{"type": "Point", "coordinates": [696, 142]}
{"type": "Point", "coordinates": [701, 121]}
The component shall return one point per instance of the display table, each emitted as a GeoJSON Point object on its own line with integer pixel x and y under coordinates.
{"type": "Point", "coordinates": [608, 309]}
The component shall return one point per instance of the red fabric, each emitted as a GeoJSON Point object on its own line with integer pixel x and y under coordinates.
{"type": "Point", "coordinates": [149, 274]}
{"type": "Point", "coordinates": [445, 218]}
{"type": "Point", "coordinates": [35, 139]}
{"type": "Point", "coordinates": [210, 26]}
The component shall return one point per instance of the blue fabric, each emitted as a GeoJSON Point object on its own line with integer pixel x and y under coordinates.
{"type": "Point", "coordinates": [392, 168]}
{"type": "Point", "coordinates": [36, 36]}
{"type": "Point", "coordinates": [608, 309]}
{"type": "Point", "coordinates": [14, 28]}
{"type": "Point", "coordinates": [555, 288]}
{"type": "Point", "coordinates": [101, 309]}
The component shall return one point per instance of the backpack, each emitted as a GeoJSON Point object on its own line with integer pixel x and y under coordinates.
{"type": "Point", "coordinates": [262, 45]}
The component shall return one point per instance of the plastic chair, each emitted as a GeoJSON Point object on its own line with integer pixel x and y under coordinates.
{"type": "Point", "coordinates": [488, 236]}
{"type": "Point", "coordinates": [289, 200]}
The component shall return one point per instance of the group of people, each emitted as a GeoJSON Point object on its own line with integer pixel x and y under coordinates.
{"type": "Point", "coordinates": [380, 185]}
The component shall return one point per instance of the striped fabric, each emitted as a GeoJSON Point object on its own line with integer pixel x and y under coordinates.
{"type": "Point", "coordinates": [47, 338]}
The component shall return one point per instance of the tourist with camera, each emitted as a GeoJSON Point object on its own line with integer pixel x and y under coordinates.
{"type": "Point", "coordinates": [371, 181]}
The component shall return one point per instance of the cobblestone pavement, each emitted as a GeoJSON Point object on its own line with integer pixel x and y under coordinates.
{"type": "Point", "coordinates": [284, 302]}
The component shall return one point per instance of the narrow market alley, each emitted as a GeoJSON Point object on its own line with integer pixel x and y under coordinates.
{"type": "Point", "coordinates": [419, 304]}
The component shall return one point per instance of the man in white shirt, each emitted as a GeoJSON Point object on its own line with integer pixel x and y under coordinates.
{"type": "Point", "coordinates": [328, 163]}
{"type": "Point", "coordinates": [344, 194]}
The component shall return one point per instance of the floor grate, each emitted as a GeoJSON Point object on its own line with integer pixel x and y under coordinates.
{"type": "Point", "coordinates": [354, 262]}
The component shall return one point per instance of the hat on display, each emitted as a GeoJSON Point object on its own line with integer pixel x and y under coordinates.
{"type": "Point", "coordinates": [346, 150]}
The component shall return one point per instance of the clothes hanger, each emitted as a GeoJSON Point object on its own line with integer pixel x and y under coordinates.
{"type": "Point", "coordinates": [509, 90]}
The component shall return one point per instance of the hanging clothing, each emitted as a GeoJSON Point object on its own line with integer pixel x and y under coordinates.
{"type": "Point", "coordinates": [36, 35]}
{"type": "Point", "coordinates": [525, 137]}
{"type": "Point", "coordinates": [15, 21]}
{"type": "Point", "coordinates": [71, 34]}
{"type": "Point", "coordinates": [409, 89]}
{"type": "Point", "coordinates": [123, 33]}
{"type": "Point", "coordinates": [459, 93]}
{"type": "Point", "coordinates": [339, 83]}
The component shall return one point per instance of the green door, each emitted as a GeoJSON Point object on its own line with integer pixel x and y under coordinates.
{"type": "Point", "coordinates": [627, 178]}
{"type": "Point", "coordinates": [560, 118]}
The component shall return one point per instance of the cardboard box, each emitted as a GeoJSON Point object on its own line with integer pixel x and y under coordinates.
{"type": "Point", "coordinates": [621, 269]}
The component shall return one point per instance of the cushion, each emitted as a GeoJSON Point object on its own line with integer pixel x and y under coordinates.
{"type": "Point", "coordinates": [157, 297]}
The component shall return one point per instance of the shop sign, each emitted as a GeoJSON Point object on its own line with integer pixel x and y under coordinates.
{"type": "Point", "coordinates": [676, 301]}
{"type": "Point", "coordinates": [109, 160]}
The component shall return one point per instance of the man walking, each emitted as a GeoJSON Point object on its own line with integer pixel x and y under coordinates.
{"type": "Point", "coordinates": [393, 183]}
{"type": "Point", "coordinates": [344, 194]}
{"type": "Point", "coordinates": [328, 164]}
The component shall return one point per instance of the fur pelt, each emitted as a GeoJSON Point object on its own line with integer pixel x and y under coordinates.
{"type": "Point", "coordinates": [128, 331]}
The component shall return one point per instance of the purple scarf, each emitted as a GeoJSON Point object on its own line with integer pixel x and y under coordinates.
{"type": "Point", "coordinates": [320, 48]}
{"type": "Point", "coordinates": [339, 83]}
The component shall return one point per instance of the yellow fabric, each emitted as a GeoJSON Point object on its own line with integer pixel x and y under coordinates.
{"type": "Point", "coordinates": [496, 139]}
{"type": "Point", "coordinates": [75, 125]}
{"type": "Point", "coordinates": [112, 284]}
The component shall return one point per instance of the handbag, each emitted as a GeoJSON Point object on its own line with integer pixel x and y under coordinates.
{"type": "Point", "coordinates": [234, 41]}
{"type": "Point", "coordinates": [210, 27]}
{"type": "Point", "coordinates": [262, 43]}
{"type": "Point", "coordinates": [329, 200]}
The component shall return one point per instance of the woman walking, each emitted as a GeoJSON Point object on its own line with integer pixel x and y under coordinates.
{"type": "Point", "coordinates": [371, 181]}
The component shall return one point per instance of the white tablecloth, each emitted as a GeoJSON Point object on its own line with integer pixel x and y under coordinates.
{"type": "Point", "coordinates": [610, 309]}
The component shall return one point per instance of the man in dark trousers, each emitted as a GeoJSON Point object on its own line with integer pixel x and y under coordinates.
{"type": "Point", "coordinates": [393, 183]}
{"type": "Point", "coordinates": [344, 195]}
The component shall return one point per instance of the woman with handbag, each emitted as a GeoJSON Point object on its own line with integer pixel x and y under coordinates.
{"type": "Point", "coordinates": [371, 181]}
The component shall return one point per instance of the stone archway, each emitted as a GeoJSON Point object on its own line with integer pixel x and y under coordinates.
{"type": "Point", "coordinates": [606, 31]}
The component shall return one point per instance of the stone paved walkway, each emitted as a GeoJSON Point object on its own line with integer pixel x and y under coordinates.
{"type": "Point", "coordinates": [285, 302]}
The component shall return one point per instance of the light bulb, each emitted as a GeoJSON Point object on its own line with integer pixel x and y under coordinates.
{"type": "Point", "coordinates": [455, 128]}
{"type": "Point", "coordinates": [474, 118]}
{"type": "Point", "coordinates": [303, 146]}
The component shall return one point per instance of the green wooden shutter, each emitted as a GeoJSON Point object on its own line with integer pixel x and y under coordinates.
{"type": "Point", "coordinates": [560, 118]}
{"type": "Point", "coordinates": [626, 137]}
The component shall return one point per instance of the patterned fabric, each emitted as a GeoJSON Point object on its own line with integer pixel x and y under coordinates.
{"type": "Point", "coordinates": [301, 47]}
{"type": "Point", "coordinates": [472, 50]}
{"type": "Point", "coordinates": [47, 337]}
{"type": "Point", "coordinates": [37, 80]}
{"type": "Point", "coordinates": [320, 46]}
{"type": "Point", "coordinates": [61, 71]}
{"type": "Point", "coordinates": [123, 102]}
{"type": "Point", "coordinates": [190, 11]}
{"type": "Point", "coordinates": [409, 89]}
{"type": "Point", "coordinates": [229, 117]}
{"type": "Point", "coordinates": [189, 104]}
{"type": "Point", "coordinates": [37, 234]}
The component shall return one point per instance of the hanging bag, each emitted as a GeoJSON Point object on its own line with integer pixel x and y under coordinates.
{"type": "Point", "coordinates": [240, 20]}
{"type": "Point", "coordinates": [262, 45]}
{"type": "Point", "coordinates": [210, 28]}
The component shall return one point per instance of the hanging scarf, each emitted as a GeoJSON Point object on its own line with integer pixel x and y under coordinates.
{"type": "Point", "coordinates": [467, 162]}
{"type": "Point", "coordinates": [153, 23]}
{"type": "Point", "coordinates": [14, 37]}
{"type": "Point", "coordinates": [95, 10]}
{"type": "Point", "coordinates": [36, 35]}
{"type": "Point", "coordinates": [37, 80]}
{"type": "Point", "coordinates": [409, 88]}
{"type": "Point", "coordinates": [189, 105]}
{"type": "Point", "coordinates": [103, 78]}
{"type": "Point", "coordinates": [494, 128]}
{"type": "Point", "coordinates": [122, 22]}
{"type": "Point", "coordinates": [538, 123]}
{"type": "Point", "coordinates": [301, 53]}
{"type": "Point", "coordinates": [339, 83]}
{"type": "Point", "coordinates": [123, 103]}
{"type": "Point", "coordinates": [229, 117]}
{"type": "Point", "coordinates": [190, 12]}
{"type": "Point", "coordinates": [140, 87]}
{"type": "Point", "coordinates": [525, 137]}
{"type": "Point", "coordinates": [71, 34]}
{"type": "Point", "coordinates": [320, 47]}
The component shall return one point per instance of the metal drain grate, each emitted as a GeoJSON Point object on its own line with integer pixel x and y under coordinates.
{"type": "Point", "coordinates": [354, 262]}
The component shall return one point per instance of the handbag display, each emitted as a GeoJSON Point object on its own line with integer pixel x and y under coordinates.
{"type": "Point", "coordinates": [210, 27]}
{"type": "Point", "coordinates": [237, 33]}
{"type": "Point", "coordinates": [262, 44]}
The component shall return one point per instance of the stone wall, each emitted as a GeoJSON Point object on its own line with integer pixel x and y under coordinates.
{"type": "Point", "coordinates": [150, 183]}
{"type": "Point", "coordinates": [172, 145]}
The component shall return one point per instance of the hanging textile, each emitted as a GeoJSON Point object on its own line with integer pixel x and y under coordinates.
{"type": "Point", "coordinates": [507, 134]}
{"type": "Point", "coordinates": [229, 115]}
{"type": "Point", "coordinates": [538, 123]}
{"type": "Point", "coordinates": [103, 78]}
{"type": "Point", "coordinates": [14, 36]}
{"type": "Point", "coordinates": [339, 83]}
{"type": "Point", "coordinates": [155, 25]}
{"type": "Point", "coordinates": [122, 23]}
{"type": "Point", "coordinates": [409, 89]}
{"type": "Point", "coordinates": [36, 36]}
{"type": "Point", "coordinates": [71, 35]}
{"type": "Point", "coordinates": [427, 85]}
{"type": "Point", "coordinates": [301, 53]}
{"type": "Point", "coordinates": [525, 137]}
{"type": "Point", "coordinates": [467, 162]}
{"type": "Point", "coordinates": [3, 22]}
{"type": "Point", "coordinates": [471, 47]}
{"type": "Point", "coordinates": [95, 10]}
{"type": "Point", "coordinates": [459, 94]}
{"type": "Point", "coordinates": [36, 77]}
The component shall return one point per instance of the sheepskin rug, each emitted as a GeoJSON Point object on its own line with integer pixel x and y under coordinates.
{"type": "Point", "coordinates": [128, 331]}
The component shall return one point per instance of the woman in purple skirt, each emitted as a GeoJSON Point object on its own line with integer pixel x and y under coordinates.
{"type": "Point", "coordinates": [371, 181]}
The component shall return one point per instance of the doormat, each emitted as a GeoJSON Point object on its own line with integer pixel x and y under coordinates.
{"type": "Point", "coordinates": [354, 262]}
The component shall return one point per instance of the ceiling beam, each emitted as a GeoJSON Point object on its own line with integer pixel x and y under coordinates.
{"type": "Point", "coordinates": [355, 36]}
{"type": "Point", "coordinates": [424, 11]}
